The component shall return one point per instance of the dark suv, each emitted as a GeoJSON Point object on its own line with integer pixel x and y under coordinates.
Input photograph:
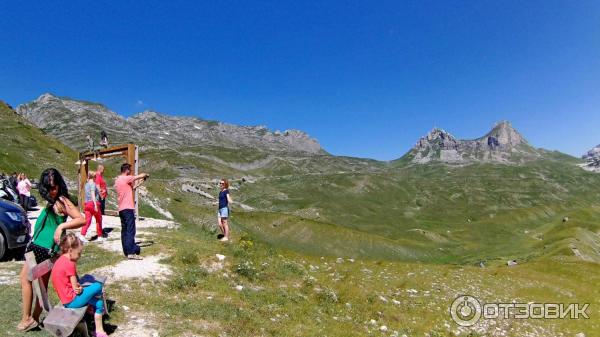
{"type": "Point", "coordinates": [14, 227]}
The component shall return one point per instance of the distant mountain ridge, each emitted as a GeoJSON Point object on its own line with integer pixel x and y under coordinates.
{"type": "Point", "coordinates": [503, 144]}
{"type": "Point", "coordinates": [70, 120]}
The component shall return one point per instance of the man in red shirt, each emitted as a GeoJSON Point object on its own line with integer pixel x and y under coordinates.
{"type": "Point", "coordinates": [102, 187]}
{"type": "Point", "coordinates": [124, 185]}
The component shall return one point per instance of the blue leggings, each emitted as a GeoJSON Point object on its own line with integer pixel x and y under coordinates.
{"type": "Point", "coordinates": [91, 295]}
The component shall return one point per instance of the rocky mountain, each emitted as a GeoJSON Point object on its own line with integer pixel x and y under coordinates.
{"type": "Point", "coordinates": [71, 120]}
{"type": "Point", "coordinates": [503, 144]}
{"type": "Point", "coordinates": [592, 159]}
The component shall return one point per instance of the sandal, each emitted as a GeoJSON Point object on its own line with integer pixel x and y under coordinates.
{"type": "Point", "coordinates": [32, 325]}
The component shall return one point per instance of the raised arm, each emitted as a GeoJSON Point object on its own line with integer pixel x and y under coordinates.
{"type": "Point", "coordinates": [139, 179]}
{"type": "Point", "coordinates": [77, 220]}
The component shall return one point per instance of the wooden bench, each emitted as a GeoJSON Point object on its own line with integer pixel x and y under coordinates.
{"type": "Point", "coordinates": [60, 321]}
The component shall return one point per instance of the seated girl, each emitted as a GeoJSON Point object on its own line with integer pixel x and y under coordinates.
{"type": "Point", "coordinates": [69, 291]}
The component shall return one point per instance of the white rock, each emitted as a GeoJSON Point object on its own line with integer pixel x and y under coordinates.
{"type": "Point", "coordinates": [373, 322]}
{"type": "Point", "coordinates": [239, 288]}
{"type": "Point", "coordinates": [383, 299]}
{"type": "Point", "coordinates": [220, 257]}
{"type": "Point", "coordinates": [126, 308]}
{"type": "Point", "coordinates": [581, 334]}
{"type": "Point", "coordinates": [383, 328]}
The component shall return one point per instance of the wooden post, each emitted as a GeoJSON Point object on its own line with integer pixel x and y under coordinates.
{"type": "Point", "coordinates": [83, 172]}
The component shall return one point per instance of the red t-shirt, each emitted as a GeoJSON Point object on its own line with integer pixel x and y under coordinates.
{"type": "Point", "coordinates": [63, 269]}
{"type": "Point", "coordinates": [124, 187]}
{"type": "Point", "coordinates": [101, 184]}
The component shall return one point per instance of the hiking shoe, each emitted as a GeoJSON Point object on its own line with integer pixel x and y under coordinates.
{"type": "Point", "coordinates": [134, 257]}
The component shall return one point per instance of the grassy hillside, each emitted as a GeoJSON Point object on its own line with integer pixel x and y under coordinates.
{"type": "Point", "coordinates": [25, 148]}
{"type": "Point", "coordinates": [334, 246]}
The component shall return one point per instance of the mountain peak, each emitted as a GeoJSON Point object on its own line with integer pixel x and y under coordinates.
{"type": "Point", "coordinates": [504, 134]}
{"type": "Point", "coordinates": [46, 97]}
{"type": "Point", "coordinates": [502, 144]}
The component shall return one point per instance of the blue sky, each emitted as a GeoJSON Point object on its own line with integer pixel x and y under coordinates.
{"type": "Point", "coordinates": [365, 78]}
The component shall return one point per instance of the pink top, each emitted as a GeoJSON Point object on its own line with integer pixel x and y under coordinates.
{"type": "Point", "coordinates": [24, 186]}
{"type": "Point", "coordinates": [124, 187]}
{"type": "Point", "coordinates": [63, 269]}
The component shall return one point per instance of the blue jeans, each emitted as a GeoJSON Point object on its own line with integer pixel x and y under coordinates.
{"type": "Point", "coordinates": [128, 232]}
{"type": "Point", "coordinates": [91, 295]}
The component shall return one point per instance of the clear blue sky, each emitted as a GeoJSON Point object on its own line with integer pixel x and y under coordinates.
{"type": "Point", "coordinates": [365, 78]}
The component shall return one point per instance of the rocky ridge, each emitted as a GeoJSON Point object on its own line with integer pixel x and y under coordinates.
{"type": "Point", "coordinates": [70, 120]}
{"type": "Point", "coordinates": [503, 144]}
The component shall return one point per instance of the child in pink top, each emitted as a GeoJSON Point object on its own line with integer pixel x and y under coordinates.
{"type": "Point", "coordinates": [66, 282]}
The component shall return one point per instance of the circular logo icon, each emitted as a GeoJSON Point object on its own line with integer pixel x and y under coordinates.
{"type": "Point", "coordinates": [465, 310]}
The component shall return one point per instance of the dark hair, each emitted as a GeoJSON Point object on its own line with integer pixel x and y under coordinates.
{"type": "Point", "coordinates": [125, 167]}
{"type": "Point", "coordinates": [51, 177]}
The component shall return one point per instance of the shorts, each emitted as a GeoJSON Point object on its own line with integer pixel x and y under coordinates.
{"type": "Point", "coordinates": [223, 212]}
{"type": "Point", "coordinates": [41, 253]}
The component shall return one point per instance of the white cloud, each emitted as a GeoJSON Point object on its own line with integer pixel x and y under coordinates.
{"type": "Point", "coordinates": [139, 102]}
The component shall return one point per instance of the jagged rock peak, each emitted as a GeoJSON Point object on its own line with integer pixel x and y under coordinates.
{"type": "Point", "coordinates": [593, 153]}
{"type": "Point", "coordinates": [504, 134]}
{"type": "Point", "coordinates": [592, 159]}
{"type": "Point", "coordinates": [502, 144]}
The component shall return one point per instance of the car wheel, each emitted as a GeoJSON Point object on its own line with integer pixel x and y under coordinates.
{"type": "Point", "coordinates": [2, 246]}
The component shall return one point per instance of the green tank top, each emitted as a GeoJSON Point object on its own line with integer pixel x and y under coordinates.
{"type": "Point", "coordinates": [45, 226]}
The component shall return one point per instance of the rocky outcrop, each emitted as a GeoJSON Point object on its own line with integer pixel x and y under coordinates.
{"type": "Point", "coordinates": [592, 159]}
{"type": "Point", "coordinates": [502, 144]}
{"type": "Point", "coordinates": [71, 120]}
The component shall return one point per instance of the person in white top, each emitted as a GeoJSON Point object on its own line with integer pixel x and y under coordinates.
{"type": "Point", "coordinates": [24, 188]}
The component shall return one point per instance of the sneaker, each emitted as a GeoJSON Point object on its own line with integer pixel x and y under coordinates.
{"type": "Point", "coordinates": [100, 239]}
{"type": "Point", "coordinates": [82, 238]}
{"type": "Point", "coordinates": [134, 257]}
{"type": "Point", "coordinates": [224, 239]}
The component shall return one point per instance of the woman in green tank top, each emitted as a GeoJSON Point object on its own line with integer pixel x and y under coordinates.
{"type": "Point", "coordinates": [49, 227]}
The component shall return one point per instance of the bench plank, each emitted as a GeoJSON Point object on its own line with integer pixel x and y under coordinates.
{"type": "Point", "coordinates": [62, 321]}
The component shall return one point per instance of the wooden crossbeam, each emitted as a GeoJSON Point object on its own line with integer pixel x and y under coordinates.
{"type": "Point", "coordinates": [39, 270]}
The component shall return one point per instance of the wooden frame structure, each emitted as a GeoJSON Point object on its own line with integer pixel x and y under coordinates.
{"type": "Point", "coordinates": [129, 151]}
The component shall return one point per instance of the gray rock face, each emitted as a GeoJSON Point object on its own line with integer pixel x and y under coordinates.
{"type": "Point", "coordinates": [502, 144]}
{"type": "Point", "coordinates": [592, 159]}
{"type": "Point", "coordinates": [71, 120]}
